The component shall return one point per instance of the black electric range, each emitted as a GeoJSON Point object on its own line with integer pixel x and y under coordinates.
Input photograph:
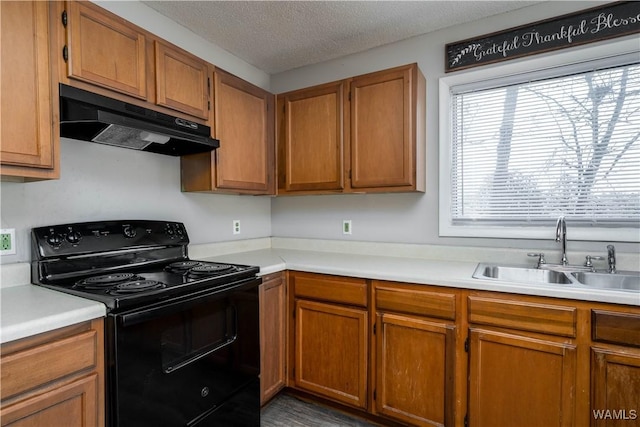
{"type": "Point", "coordinates": [181, 335]}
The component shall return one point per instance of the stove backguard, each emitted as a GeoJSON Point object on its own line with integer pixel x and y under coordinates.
{"type": "Point", "coordinates": [68, 251]}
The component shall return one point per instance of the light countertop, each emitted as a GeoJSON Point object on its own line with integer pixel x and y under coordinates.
{"type": "Point", "coordinates": [457, 274]}
{"type": "Point", "coordinates": [28, 309]}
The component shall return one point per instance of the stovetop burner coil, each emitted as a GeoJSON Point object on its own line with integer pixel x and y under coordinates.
{"type": "Point", "coordinates": [106, 281]}
{"type": "Point", "coordinates": [212, 268]}
{"type": "Point", "coordinates": [205, 270]}
{"type": "Point", "coordinates": [136, 286]}
{"type": "Point", "coordinates": [182, 266]}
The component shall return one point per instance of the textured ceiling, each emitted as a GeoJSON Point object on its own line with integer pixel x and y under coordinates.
{"type": "Point", "coordinates": [276, 36]}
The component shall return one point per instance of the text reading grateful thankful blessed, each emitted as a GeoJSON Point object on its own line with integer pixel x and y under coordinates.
{"type": "Point", "coordinates": [612, 20]}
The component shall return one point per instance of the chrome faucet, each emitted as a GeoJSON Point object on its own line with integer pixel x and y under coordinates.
{"type": "Point", "coordinates": [611, 258]}
{"type": "Point", "coordinates": [561, 236]}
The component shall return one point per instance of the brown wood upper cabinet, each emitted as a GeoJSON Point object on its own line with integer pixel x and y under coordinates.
{"type": "Point", "coordinates": [363, 134]}
{"type": "Point", "coordinates": [182, 81]}
{"type": "Point", "coordinates": [311, 139]}
{"type": "Point", "coordinates": [104, 50]}
{"type": "Point", "coordinates": [243, 121]}
{"type": "Point", "coordinates": [388, 130]}
{"type": "Point", "coordinates": [28, 139]}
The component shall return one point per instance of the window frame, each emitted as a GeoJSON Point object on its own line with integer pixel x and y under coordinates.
{"type": "Point", "coordinates": [510, 70]}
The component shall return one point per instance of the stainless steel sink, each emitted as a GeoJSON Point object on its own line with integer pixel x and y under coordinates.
{"type": "Point", "coordinates": [507, 273]}
{"type": "Point", "coordinates": [562, 275]}
{"type": "Point", "coordinates": [622, 280]}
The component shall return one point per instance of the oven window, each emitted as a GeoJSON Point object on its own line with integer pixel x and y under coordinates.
{"type": "Point", "coordinates": [196, 332]}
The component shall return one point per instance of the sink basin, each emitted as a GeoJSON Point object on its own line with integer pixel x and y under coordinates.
{"type": "Point", "coordinates": [563, 275]}
{"type": "Point", "coordinates": [518, 274]}
{"type": "Point", "coordinates": [623, 280]}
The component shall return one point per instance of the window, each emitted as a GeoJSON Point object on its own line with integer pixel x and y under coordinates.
{"type": "Point", "coordinates": [528, 147]}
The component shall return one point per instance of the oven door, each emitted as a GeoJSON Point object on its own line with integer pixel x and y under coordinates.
{"type": "Point", "coordinates": [182, 361]}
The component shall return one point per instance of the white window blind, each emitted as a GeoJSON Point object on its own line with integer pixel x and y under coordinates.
{"type": "Point", "coordinates": [527, 152]}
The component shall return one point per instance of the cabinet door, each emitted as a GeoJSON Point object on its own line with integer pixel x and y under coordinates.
{"type": "Point", "coordinates": [383, 128]}
{"type": "Point", "coordinates": [615, 387]}
{"type": "Point", "coordinates": [414, 372]}
{"type": "Point", "coordinates": [26, 136]}
{"type": "Point", "coordinates": [273, 329]}
{"type": "Point", "coordinates": [244, 124]}
{"type": "Point", "coordinates": [331, 351]}
{"type": "Point", "coordinates": [181, 81]}
{"type": "Point", "coordinates": [72, 405]}
{"type": "Point", "coordinates": [243, 121]}
{"type": "Point", "coordinates": [520, 381]}
{"type": "Point", "coordinates": [105, 50]}
{"type": "Point", "coordinates": [311, 139]}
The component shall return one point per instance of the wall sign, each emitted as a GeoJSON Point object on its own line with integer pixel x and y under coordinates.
{"type": "Point", "coordinates": [590, 25]}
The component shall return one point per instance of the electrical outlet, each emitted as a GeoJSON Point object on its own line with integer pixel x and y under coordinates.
{"type": "Point", "coordinates": [236, 226]}
{"type": "Point", "coordinates": [8, 241]}
{"type": "Point", "coordinates": [346, 226]}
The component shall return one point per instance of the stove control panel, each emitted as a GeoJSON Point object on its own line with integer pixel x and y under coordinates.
{"type": "Point", "coordinates": [104, 236]}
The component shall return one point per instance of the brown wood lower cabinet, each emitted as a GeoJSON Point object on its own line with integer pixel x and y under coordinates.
{"type": "Point", "coordinates": [273, 330]}
{"type": "Point", "coordinates": [415, 341]}
{"type": "Point", "coordinates": [442, 356]}
{"type": "Point", "coordinates": [522, 361]}
{"type": "Point", "coordinates": [331, 351]}
{"type": "Point", "coordinates": [414, 370]}
{"type": "Point", "coordinates": [615, 369]}
{"type": "Point", "coordinates": [72, 404]}
{"type": "Point", "coordinates": [55, 378]}
{"type": "Point", "coordinates": [330, 333]}
{"type": "Point", "coordinates": [515, 380]}
{"type": "Point", "coordinates": [615, 382]}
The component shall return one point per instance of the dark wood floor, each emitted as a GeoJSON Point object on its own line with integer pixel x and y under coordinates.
{"type": "Point", "coordinates": [288, 411]}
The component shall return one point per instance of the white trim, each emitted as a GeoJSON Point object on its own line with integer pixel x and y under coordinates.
{"type": "Point", "coordinates": [576, 55]}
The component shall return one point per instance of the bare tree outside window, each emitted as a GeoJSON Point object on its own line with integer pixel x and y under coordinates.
{"type": "Point", "coordinates": [536, 150]}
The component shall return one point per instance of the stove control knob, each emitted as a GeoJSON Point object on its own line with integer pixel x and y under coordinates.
{"type": "Point", "coordinates": [169, 230]}
{"type": "Point", "coordinates": [73, 237]}
{"type": "Point", "coordinates": [54, 239]}
{"type": "Point", "coordinates": [129, 231]}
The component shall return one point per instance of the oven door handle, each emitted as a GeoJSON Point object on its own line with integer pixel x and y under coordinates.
{"type": "Point", "coordinates": [232, 333]}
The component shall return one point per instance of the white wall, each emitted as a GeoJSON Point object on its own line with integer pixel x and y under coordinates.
{"type": "Point", "coordinates": [100, 182]}
{"type": "Point", "coordinates": [411, 218]}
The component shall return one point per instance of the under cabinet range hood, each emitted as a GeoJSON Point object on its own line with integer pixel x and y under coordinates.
{"type": "Point", "coordinates": [91, 117]}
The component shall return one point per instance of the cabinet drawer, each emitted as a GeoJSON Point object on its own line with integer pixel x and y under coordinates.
{"type": "Point", "coordinates": [525, 316]}
{"type": "Point", "coordinates": [73, 404]}
{"type": "Point", "coordinates": [415, 301]}
{"type": "Point", "coordinates": [338, 289]}
{"type": "Point", "coordinates": [39, 365]}
{"type": "Point", "coordinates": [615, 327]}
